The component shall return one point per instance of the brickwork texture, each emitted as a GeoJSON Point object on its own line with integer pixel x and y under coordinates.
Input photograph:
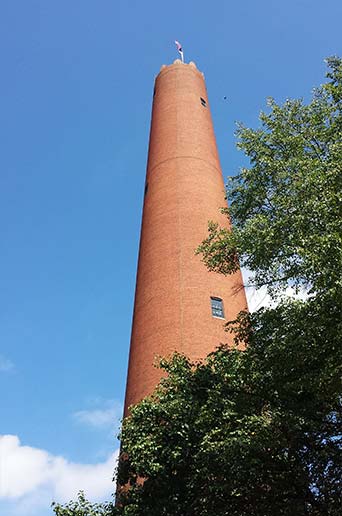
{"type": "Point", "coordinates": [184, 190]}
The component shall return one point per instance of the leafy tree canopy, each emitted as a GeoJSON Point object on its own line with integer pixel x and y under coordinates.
{"type": "Point", "coordinates": [286, 207]}
{"type": "Point", "coordinates": [82, 507]}
{"type": "Point", "coordinates": [258, 432]}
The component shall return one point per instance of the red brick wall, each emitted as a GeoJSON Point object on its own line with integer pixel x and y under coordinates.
{"type": "Point", "coordinates": [185, 189]}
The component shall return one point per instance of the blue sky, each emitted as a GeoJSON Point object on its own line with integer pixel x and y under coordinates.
{"type": "Point", "coordinates": [75, 101]}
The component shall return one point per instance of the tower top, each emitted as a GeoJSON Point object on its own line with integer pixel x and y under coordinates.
{"type": "Point", "coordinates": [179, 64]}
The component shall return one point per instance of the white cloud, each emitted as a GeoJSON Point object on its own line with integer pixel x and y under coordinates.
{"type": "Point", "coordinates": [259, 298]}
{"type": "Point", "coordinates": [106, 414]}
{"type": "Point", "coordinates": [30, 478]}
{"type": "Point", "coordinates": [5, 364]}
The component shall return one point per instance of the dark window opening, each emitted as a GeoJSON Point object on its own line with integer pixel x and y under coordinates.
{"type": "Point", "coordinates": [146, 188]}
{"type": "Point", "coordinates": [203, 102]}
{"type": "Point", "coordinates": [217, 307]}
{"type": "Point", "coordinates": [154, 91]}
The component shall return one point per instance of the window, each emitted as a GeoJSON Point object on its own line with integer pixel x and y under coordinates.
{"type": "Point", "coordinates": [217, 307]}
{"type": "Point", "coordinates": [146, 188]}
{"type": "Point", "coordinates": [203, 102]}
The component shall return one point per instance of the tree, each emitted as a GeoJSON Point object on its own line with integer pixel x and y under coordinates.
{"type": "Point", "coordinates": [82, 507]}
{"type": "Point", "coordinates": [286, 208]}
{"type": "Point", "coordinates": [258, 431]}
{"type": "Point", "coordinates": [239, 434]}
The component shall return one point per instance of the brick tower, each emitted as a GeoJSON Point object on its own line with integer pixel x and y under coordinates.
{"type": "Point", "coordinates": [179, 305]}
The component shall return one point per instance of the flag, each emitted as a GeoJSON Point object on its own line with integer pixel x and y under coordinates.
{"type": "Point", "coordinates": [180, 49]}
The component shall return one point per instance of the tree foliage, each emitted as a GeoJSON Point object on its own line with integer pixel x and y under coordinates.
{"type": "Point", "coordinates": [254, 432]}
{"type": "Point", "coordinates": [82, 507]}
{"type": "Point", "coordinates": [258, 432]}
{"type": "Point", "coordinates": [286, 207]}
